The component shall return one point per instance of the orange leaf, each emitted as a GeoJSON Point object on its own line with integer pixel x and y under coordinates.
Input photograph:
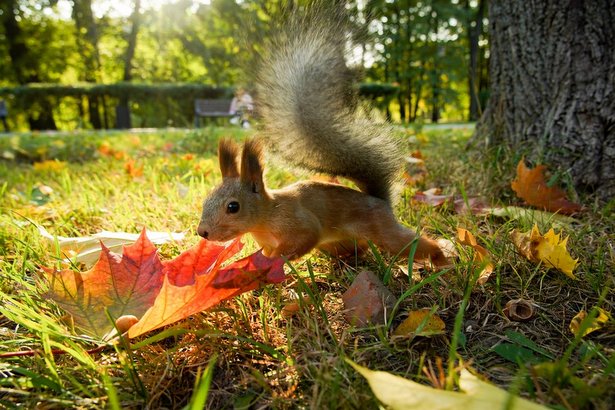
{"type": "Point", "coordinates": [530, 185]}
{"type": "Point", "coordinates": [481, 254]}
{"type": "Point", "coordinates": [132, 169]}
{"type": "Point", "coordinates": [120, 285]}
{"type": "Point", "coordinates": [157, 293]}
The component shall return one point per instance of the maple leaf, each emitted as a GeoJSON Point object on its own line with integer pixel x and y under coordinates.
{"type": "Point", "coordinates": [596, 324]}
{"type": "Point", "coordinates": [207, 286]}
{"type": "Point", "coordinates": [548, 248]}
{"type": "Point", "coordinates": [157, 293]}
{"type": "Point", "coordinates": [114, 286]}
{"type": "Point", "coordinates": [530, 186]}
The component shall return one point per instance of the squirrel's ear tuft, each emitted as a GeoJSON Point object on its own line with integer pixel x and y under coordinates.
{"type": "Point", "coordinates": [251, 165]}
{"type": "Point", "coordinates": [228, 152]}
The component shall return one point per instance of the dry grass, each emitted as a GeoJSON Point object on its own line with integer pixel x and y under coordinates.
{"type": "Point", "coordinates": [264, 358]}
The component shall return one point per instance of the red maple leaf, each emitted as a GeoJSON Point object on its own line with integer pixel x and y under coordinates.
{"type": "Point", "coordinates": [155, 292]}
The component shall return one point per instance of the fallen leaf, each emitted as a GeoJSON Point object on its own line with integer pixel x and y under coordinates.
{"type": "Point", "coordinates": [596, 324]}
{"type": "Point", "coordinates": [290, 309]}
{"type": "Point", "coordinates": [420, 323]}
{"type": "Point", "coordinates": [157, 293]}
{"type": "Point", "coordinates": [432, 197]}
{"type": "Point", "coordinates": [210, 284]}
{"type": "Point", "coordinates": [367, 300]}
{"type": "Point", "coordinates": [481, 255]}
{"type": "Point", "coordinates": [531, 216]}
{"type": "Point", "coordinates": [115, 286]}
{"type": "Point", "coordinates": [548, 249]}
{"type": "Point", "coordinates": [133, 169]}
{"type": "Point", "coordinates": [397, 393]}
{"type": "Point", "coordinates": [49, 165]}
{"type": "Point", "coordinates": [530, 186]}
{"type": "Point", "coordinates": [86, 249]}
{"type": "Point", "coordinates": [474, 205]}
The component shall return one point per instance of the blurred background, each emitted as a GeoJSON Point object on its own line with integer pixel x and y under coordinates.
{"type": "Point", "coordinates": [100, 64]}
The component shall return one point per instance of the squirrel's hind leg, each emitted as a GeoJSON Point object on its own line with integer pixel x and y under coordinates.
{"type": "Point", "coordinates": [344, 248]}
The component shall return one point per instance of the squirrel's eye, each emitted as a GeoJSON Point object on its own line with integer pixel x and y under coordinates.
{"type": "Point", "coordinates": [232, 207]}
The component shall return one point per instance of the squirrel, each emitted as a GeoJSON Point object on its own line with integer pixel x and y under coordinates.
{"type": "Point", "coordinates": [304, 94]}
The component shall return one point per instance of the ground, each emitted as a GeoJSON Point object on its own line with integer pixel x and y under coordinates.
{"type": "Point", "coordinates": [80, 183]}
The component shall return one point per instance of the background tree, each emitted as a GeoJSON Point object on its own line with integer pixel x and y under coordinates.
{"type": "Point", "coordinates": [474, 30]}
{"type": "Point", "coordinates": [553, 86]}
{"type": "Point", "coordinates": [24, 61]}
{"type": "Point", "coordinates": [122, 110]}
{"type": "Point", "coordinates": [87, 42]}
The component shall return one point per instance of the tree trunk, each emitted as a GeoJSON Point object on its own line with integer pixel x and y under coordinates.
{"type": "Point", "coordinates": [122, 109]}
{"type": "Point", "coordinates": [553, 86]}
{"type": "Point", "coordinates": [474, 29]}
{"type": "Point", "coordinates": [23, 70]}
{"type": "Point", "coordinates": [87, 41]}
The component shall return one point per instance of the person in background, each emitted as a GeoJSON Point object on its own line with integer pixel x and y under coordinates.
{"type": "Point", "coordinates": [242, 106]}
{"type": "Point", "coordinates": [4, 112]}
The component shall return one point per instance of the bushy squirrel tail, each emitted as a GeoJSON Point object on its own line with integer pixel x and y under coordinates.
{"type": "Point", "coordinates": [307, 101]}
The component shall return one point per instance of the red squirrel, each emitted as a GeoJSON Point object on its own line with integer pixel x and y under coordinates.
{"type": "Point", "coordinates": [304, 99]}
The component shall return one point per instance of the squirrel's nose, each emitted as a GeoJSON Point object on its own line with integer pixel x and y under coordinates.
{"type": "Point", "coordinates": [202, 232]}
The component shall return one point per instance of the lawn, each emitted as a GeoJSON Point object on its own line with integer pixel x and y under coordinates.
{"type": "Point", "coordinates": [257, 352]}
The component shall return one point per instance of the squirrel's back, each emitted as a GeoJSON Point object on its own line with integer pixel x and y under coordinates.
{"type": "Point", "coordinates": [306, 99]}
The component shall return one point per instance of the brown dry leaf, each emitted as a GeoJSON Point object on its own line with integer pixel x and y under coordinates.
{"type": "Point", "coordinates": [597, 324]}
{"type": "Point", "coordinates": [367, 300]}
{"type": "Point", "coordinates": [420, 323]}
{"type": "Point", "coordinates": [432, 197]}
{"type": "Point", "coordinates": [530, 185]}
{"type": "Point", "coordinates": [548, 248]}
{"type": "Point", "coordinates": [292, 308]}
{"type": "Point", "coordinates": [481, 255]}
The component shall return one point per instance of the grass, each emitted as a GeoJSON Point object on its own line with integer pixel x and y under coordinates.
{"type": "Point", "coordinates": [248, 352]}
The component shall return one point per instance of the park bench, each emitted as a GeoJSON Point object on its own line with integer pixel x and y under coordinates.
{"type": "Point", "coordinates": [211, 108]}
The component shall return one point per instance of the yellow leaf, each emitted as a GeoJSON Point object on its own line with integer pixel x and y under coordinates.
{"type": "Point", "coordinates": [49, 165]}
{"type": "Point", "coordinates": [398, 393]}
{"type": "Point", "coordinates": [547, 248]}
{"type": "Point", "coordinates": [596, 324]}
{"type": "Point", "coordinates": [420, 323]}
{"type": "Point", "coordinates": [552, 251]}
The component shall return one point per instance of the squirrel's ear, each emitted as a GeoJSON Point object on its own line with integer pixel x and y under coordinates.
{"type": "Point", "coordinates": [228, 153]}
{"type": "Point", "coordinates": [251, 166]}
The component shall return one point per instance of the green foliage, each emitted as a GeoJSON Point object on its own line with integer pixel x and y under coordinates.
{"type": "Point", "coordinates": [417, 52]}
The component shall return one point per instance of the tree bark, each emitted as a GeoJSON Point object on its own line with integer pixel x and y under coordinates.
{"type": "Point", "coordinates": [122, 109]}
{"type": "Point", "coordinates": [552, 73]}
{"type": "Point", "coordinates": [474, 29]}
{"type": "Point", "coordinates": [87, 41]}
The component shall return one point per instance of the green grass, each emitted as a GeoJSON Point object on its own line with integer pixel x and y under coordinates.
{"type": "Point", "coordinates": [247, 352]}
